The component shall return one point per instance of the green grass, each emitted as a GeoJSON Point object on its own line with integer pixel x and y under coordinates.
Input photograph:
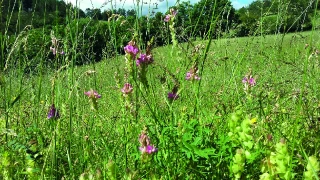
{"type": "Point", "coordinates": [215, 129]}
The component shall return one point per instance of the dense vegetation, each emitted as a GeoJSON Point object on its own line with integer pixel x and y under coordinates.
{"type": "Point", "coordinates": [180, 95]}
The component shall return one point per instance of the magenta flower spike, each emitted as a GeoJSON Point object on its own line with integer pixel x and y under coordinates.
{"type": "Point", "coordinates": [131, 49]}
{"type": "Point", "coordinates": [144, 59]}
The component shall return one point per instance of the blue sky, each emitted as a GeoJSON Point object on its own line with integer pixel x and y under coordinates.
{"type": "Point", "coordinates": [162, 5]}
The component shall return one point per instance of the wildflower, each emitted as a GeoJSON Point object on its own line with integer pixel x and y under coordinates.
{"type": "Point", "coordinates": [192, 74]}
{"type": "Point", "coordinates": [249, 80]}
{"type": "Point", "coordinates": [144, 59]}
{"type": "Point", "coordinates": [127, 88]}
{"type": "Point", "coordinates": [131, 49]}
{"type": "Point", "coordinates": [173, 12]}
{"type": "Point", "coordinates": [167, 18]}
{"type": "Point", "coordinates": [53, 113]}
{"type": "Point", "coordinates": [145, 144]}
{"type": "Point", "coordinates": [173, 96]}
{"type": "Point", "coordinates": [148, 149]}
{"type": "Point", "coordinates": [93, 94]}
{"type": "Point", "coordinates": [170, 16]}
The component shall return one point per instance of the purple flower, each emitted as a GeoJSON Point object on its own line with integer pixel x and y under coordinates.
{"type": "Point", "coordinates": [53, 113]}
{"type": "Point", "coordinates": [173, 96]}
{"type": "Point", "coordinates": [244, 80]}
{"type": "Point", "coordinates": [144, 59]}
{"type": "Point", "coordinates": [173, 12]}
{"type": "Point", "coordinates": [148, 149]}
{"type": "Point", "coordinates": [252, 81]}
{"type": "Point", "coordinates": [92, 94]}
{"type": "Point", "coordinates": [167, 18]}
{"type": "Point", "coordinates": [131, 49]}
{"type": "Point", "coordinates": [127, 88]}
{"type": "Point", "coordinates": [193, 74]}
{"type": "Point", "coordinates": [145, 144]}
{"type": "Point", "coordinates": [249, 80]}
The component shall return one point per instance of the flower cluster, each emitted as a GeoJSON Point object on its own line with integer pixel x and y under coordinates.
{"type": "Point", "coordinates": [146, 147]}
{"type": "Point", "coordinates": [127, 89]}
{"type": "Point", "coordinates": [53, 112]}
{"type": "Point", "coordinates": [192, 74]}
{"type": "Point", "coordinates": [131, 49]}
{"type": "Point", "coordinates": [170, 16]}
{"type": "Point", "coordinates": [144, 59]}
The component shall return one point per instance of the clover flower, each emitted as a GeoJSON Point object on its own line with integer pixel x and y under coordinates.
{"type": "Point", "coordinates": [127, 88]}
{"type": "Point", "coordinates": [53, 113]}
{"type": "Point", "coordinates": [145, 144]}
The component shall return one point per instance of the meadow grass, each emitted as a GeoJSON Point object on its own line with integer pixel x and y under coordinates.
{"type": "Point", "coordinates": [218, 127]}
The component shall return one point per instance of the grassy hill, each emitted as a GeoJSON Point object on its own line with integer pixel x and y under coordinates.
{"type": "Point", "coordinates": [219, 127]}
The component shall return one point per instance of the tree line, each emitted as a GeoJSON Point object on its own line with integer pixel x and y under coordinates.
{"type": "Point", "coordinates": [109, 30]}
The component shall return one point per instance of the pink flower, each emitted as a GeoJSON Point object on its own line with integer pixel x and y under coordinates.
{"type": "Point", "coordinates": [167, 18]}
{"type": "Point", "coordinates": [249, 80]}
{"type": "Point", "coordinates": [93, 94]}
{"type": "Point", "coordinates": [131, 49]}
{"type": "Point", "coordinates": [145, 144]}
{"type": "Point", "coordinates": [192, 74]}
{"type": "Point", "coordinates": [127, 88]}
{"type": "Point", "coordinates": [144, 59]}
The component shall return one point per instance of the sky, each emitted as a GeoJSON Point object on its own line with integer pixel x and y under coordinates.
{"type": "Point", "coordinates": [162, 5]}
